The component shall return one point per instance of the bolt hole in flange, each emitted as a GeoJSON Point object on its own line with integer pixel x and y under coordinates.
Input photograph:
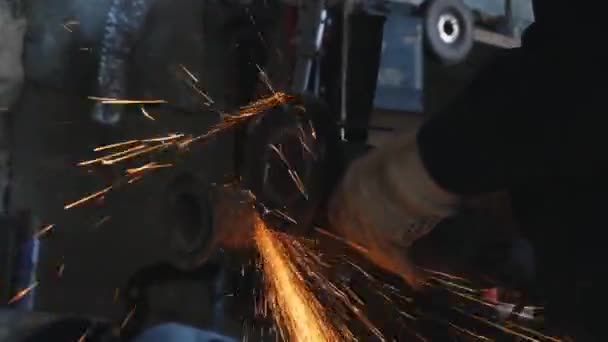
{"type": "Point", "coordinates": [290, 161]}
{"type": "Point", "coordinates": [189, 219]}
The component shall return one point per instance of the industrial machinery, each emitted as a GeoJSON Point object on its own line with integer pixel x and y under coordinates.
{"type": "Point", "coordinates": [291, 157]}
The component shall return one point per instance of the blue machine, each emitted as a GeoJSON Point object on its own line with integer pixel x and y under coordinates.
{"type": "Point", "coordinates": [400, 83]}
{"type": "Point", "coordinates": [401, 72]}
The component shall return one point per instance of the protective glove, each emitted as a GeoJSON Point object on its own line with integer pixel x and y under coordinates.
{"type": "Point", "coordinates": [387, 201]}
{"type": "Point", "coordinates": [12, 32]}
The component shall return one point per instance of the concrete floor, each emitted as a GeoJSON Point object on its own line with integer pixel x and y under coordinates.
{"type": "Point", "coordinates": [53, 130]}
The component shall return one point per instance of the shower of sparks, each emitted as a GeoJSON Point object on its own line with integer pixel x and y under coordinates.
{"type": "Point", "coordinates": [112, 101]}
{"type": "Point", "coordinates": [293, 272]}
{"type": "Point", "coordinates": [293, 306]}
{"type": "Point", "coordinates": [149, 166]}
{"type": "Point", "coordinates": [21, 294]}
{"type": "Point", "coordinates": [146, 114]}
{"type": "Point", "coordinates": [167, 138]}
{"type": "Point", "coordinates": [457, 286]}
{"type": "Point", "coordinates": [128, 318]}
{"type": "Point", "coordinates": [88, 198]}
{"type": "Point", "coordinates": [134, 179]}
{"type": "Point", "coordinates": [113, 146]}
{"type": "Point", "coordinates": [245, 113]}
{"type": "Point", "coordinates": [341, 300]}
{"type": "Point", "coordinates": [123, 151]}
{"type": "Point", "coordinates": [498, 326]}
{"type": "Point", "coordinates": [44, 231]}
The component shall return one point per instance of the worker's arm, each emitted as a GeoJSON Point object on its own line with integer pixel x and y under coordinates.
{"type": "Point", "coordinates": [530, 117]}
{"type": "Point", "coordinates": [396, 194]}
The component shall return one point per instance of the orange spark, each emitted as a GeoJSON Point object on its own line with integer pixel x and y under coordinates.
{"type": "Point", "coordinates": [108, 100]}
{"type": "Point", "coordinates": [43, 231]}
{"type": "Point", "coordinates": [353, 245]}
{"type": "Point", "coordinates": [112, 146]}
{"type": "Point", "coordinates": [88, 198]}
{"type": "Point", "coordinates": [534, 332]}
{"type": "Point", "coordinates": [22, 293]}
{"type": "Point", "coordinates": [113, 155]}
{"type": "Point", "coordinates": [230, 120]}
{"type": "Point", "coordinates": [149, 166]}
{"type": "Point", "coordinates": [452, 284]}
{"type": "Point", "coordinates": [498, 326]}
{"type": "Point", "coordinates": [170, 137]}
{"type": "Point", "coordinates": [106, 161]}
{"type": "Point", "coordinates": [294, 307]}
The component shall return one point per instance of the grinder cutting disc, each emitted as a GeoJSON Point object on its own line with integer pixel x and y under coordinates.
{"type": "Point", "coordinates": [291, 162]}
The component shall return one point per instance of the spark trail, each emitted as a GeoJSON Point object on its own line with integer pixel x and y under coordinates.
{"type": "Point", "coordinates": [293, 305]}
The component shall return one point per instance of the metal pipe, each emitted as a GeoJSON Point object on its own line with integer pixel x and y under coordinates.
{"type": "Point", "coordinates": [123, 28]}
{"type": "Point", "coordinates": [311, 28]}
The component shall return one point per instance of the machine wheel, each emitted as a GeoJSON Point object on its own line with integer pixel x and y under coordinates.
{"type": "Point", "coordinates": [448, 26]}
{"type": "Point", "coordinates": [308, 139]}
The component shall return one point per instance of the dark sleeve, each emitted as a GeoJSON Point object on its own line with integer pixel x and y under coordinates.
{"type": "Point", "coordinates": [465, 148]}
{"type": "Point", "coordinates": [536, 116]}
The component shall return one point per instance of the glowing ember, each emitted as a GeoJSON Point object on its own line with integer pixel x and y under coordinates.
{"type": "Point", "coordinates": [294, 307]}
{"type": "Point", "coordinates": [245, 113]}
{"type": "Point", "coordinates": [88, 198]}
{"type": "Point", "coordinates": [21, 294]}
{"type": "Point", "coordinates": [113, 146]}
{"type": "Point", "coordinates": [107, 100]}
{"type": "Point", "coordinates": [44, 231]}
{"type": "Point", "coordinates": [149, 166]}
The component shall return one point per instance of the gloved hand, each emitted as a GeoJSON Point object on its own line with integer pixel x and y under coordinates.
{"type": "Point", "coordinates": [12, 32]}
{"type": "Point", "coordinates": [387, 201]}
